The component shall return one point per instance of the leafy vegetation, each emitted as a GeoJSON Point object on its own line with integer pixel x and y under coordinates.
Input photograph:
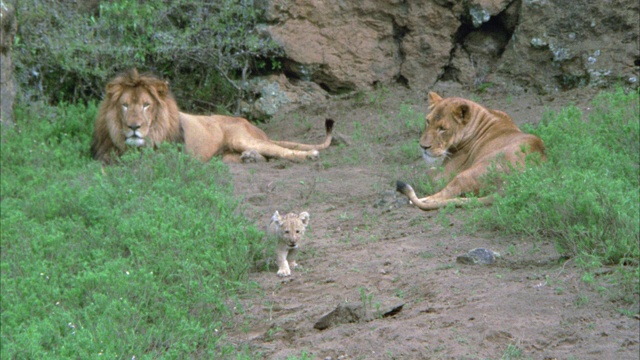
{"type": "Point", "coordinates": [136, 260]}
{"type": "Point", "coordinates": [67, 52]}
{"type": "Point", "coordinates": [145, 257]}
{"type": "Point", "coordinates": [586, 197]}
{"type": "Point", "coordinates": [511, 352]}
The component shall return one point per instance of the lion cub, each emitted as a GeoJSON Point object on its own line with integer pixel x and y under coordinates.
{"type": "Point", "coordinates": [288, 230]}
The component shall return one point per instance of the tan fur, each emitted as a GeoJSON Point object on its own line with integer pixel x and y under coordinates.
{"type": "Point", "coordinates": [288, 230]}
{"type": "Point", "coordinates": [468, 139]}
{"type": "Point", "coordinates": [139, 110]}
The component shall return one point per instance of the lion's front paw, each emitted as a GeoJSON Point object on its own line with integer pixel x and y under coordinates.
{"type": "Point", "coordinates": [284, 272]}
{"type": "Point", "coordinates": [314, 155]}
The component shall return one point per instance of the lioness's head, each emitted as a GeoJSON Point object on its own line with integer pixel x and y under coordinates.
{"type": "Point", "coordinates": [137, 100]}
{"type": "Point", "coordinates": [443, 127]}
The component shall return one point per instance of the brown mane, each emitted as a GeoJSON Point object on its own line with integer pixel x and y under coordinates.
{"type": "Point", "coordinates": [139, 110]}
{"type": "Point", "coordinates": [108, 137]}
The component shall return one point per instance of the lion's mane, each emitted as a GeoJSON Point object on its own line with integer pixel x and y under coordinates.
{"type": "Point", "coordinates": [108, 135]}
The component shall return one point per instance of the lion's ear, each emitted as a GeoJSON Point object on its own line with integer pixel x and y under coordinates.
{"type": "Point", "coordinates": [304, 217]}
{"type": "Point", "coordinates": [434, 99]}
{"type": "Point", "coordinates": [114, 90]}
{"type": "Point", "coordinates": [461, 113]}
{"type": "Point", "coordinates": [276, 217]}
{"type": "Point", "coordinates": [162, 87]}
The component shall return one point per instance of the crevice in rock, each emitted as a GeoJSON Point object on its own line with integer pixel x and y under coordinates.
{"type": "Point", "coordinates": [476, 49]}
{"type": "Point", "coordinates": [449, 72]}
{"type": "Point", "coordinates": [399, 33]}
{"type": "Point", "coordinates": [325, 87]}
{"type": "Point", "coordinates": [291, 69]}
{"type": "Point", "coordinates": [401, 80]}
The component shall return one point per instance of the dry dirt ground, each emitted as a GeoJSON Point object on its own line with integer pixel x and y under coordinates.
{"type": "Point", "coordinates": [369, 250]}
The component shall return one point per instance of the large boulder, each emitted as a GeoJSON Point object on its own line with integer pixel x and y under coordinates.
{"type": "Point", "coordinates": [269, 95]}
{"type": "Point", "coordinates": [341, 45]}
{"type": "Point", "coordinates": [522, 44]}
{"type": "Point", "coordinates": [346, 45]}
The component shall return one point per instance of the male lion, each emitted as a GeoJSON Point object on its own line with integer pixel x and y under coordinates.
{"type": "Point", "coordinates": [469, 139]}
{"type": "Point", "coordinates": [287, 230]}
{"type": "Point", "coordinates": [139, 110]}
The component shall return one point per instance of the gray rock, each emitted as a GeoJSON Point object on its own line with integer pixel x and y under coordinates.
{"type": "Point", "coordinates": [353, 313]}
{"type": "Point", "coordinates": [478, 256]}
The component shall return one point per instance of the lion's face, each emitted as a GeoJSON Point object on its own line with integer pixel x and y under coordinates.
{"type": "Point", "coordinates": [442, 127]}
{"type": "Point", "coordinates": [138, 110]}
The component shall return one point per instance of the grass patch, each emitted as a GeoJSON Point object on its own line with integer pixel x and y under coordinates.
{"type": "Point", "coordinates": [511, 352]}
{"type": "Point", "coordinates": [586, 197]}
{"type": "Point", "coordinates": [138, 259]}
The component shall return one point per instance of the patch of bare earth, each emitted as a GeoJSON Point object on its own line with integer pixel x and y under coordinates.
{"type": "Point", "coordinates": [368, 250]}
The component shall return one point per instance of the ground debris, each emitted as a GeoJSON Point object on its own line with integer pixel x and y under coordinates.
{"type": "Point", "coordinates": [352, 313]}
{"type": "Point", "coordinates": [388, 200]}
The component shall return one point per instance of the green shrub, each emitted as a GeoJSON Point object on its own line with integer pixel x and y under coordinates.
{"type": "Point", "coordinates": [136, 259]}
{"type": "Point", "coordinates": [67, 52]}
{"type": "Point", "coordinates": [586, 197]}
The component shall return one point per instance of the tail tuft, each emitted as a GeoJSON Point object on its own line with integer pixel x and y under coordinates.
{"type": "Point", "coordinates": [328, 125]}
{"type": "Point", "coordinates": [401, 186]}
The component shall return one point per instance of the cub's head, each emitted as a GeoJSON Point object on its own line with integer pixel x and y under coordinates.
{"type": "Point", "coordinates": [444, 126]}
{"type": "Point", "coordinates": [138, 102]}
{"type": "Point", "coordinates": [290, 228]}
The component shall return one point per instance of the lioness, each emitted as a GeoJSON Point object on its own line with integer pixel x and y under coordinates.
{"type": "Point", "coordinates": [139, 110]}
{"type": "Point", "coordinates": [287, 230]}
{"type": "Point", "coordinates": [468, 138]}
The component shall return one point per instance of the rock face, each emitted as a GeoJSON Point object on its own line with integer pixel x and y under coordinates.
{"type": "Point", "coordinates": [561, 45]}
{"type": "Point", "coordinates": [8, 87]}
{"type": "Point", "coordinates": [539, 45]}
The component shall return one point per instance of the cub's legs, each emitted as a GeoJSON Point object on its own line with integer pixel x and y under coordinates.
{"type": "Point", "coordinates": [283, 265]}
{"type": "Point", "coordinates": [292, 258]}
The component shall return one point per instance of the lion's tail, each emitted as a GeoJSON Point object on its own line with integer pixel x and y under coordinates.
{"type": "Point", "coordinates": [408, 191]}
{"type": "Point", "coordinates": [328, 124]}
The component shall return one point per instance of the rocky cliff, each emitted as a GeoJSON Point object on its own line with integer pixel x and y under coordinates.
{"type": "Point", "coordinates": [523, 45]}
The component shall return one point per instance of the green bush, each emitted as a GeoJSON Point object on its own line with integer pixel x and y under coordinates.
{"type": "Point", "coordinates": [68, 52]}
{"type": "Point", "coordinates": [136, 259]}
{"type": "Point", "coordinates": [586, 197]}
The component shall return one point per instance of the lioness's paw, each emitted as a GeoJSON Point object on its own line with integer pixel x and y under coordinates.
{"type": "Point", "coordinates": [313, 155]}
{"type": "Point", "coordinates": [251, 156]}
{"type": "Point", "coordinates": [284, 272]}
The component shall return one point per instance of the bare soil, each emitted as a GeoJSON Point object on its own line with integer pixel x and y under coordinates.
{"type": "Point", "coordinates": [369, 249]}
